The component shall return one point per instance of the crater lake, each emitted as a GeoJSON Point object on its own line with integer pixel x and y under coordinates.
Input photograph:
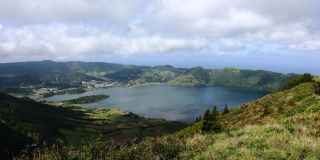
{"type": "Point", "coordinates": [167, 101]}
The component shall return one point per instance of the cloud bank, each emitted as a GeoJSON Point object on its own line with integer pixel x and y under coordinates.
{"type": "Point", "coordinates": [40, 29]}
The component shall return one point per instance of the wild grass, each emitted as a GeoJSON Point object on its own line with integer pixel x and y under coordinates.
{"type": "Point", "coordinates": [282, 125]}
{"type": "Point", "coordinates": [290, 129]}
{"type": "Point", "coordinates": [270, 141]}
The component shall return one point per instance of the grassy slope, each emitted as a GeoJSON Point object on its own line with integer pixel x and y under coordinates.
{"type": "Point", "coordinates": [74, 124]}
{"type": "Point", "coordinates": [290, 129]}
{"type": "Point", "coordinates": [281, 105]}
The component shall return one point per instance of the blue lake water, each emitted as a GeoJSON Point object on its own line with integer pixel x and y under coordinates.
{"type": "Point", "coordinates": [167, 101]}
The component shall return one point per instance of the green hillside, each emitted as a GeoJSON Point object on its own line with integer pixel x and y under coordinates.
{"type": "Point", "coordinates": [48, 66]}
{"type": "Point", "coordinates": [28, 122]}
{"type": "Point", "coordinates": [249, 79]}
{"type": "Point", "coordinates": [53, 74]}
{"type": "Point", "coordinates": [282, 125]}
{"type": "Point", "coordinates": [70, 74]}
{"type": "Point", "coordinates": [259, 79]}
{"type": "Point", "coordinates": [62, 80]}
{"type": "Point", "coordinates": [12, 141]}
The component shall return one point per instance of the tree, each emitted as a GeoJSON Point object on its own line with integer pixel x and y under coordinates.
{"type": "Point", "coordinates": [206, 123]}
{"type": "Point", "coordinates": [210, 121]}
{"type": "Point", "coordinates": [216, 127]}
{"type": "Point", "coordinates": [225, 110]}
{"type": "Point", "coordinates": [198, 119]}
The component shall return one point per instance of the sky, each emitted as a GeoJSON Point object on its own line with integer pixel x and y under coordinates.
{"type": "Point", "coordinates": [282, 35]}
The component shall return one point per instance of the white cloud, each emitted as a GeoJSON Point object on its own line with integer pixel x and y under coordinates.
{"type": "Point", "coordinates": [223, 17]}
{"type": "Point", "coordinates": [286, 22]}
{"type": "Point", "coordinates": [8, 46]}
{"type": "Point", "coordinates": [78, 28]}
{"type": "Point", "coordinates": [204, 17]}
{"type": "Point", "coordinates": [310, 45]}
{"type": "Point", "coordinates": [60, 40]}
{"type": "Point", "coordinates": [47, 11]}
{"type": "Point", "coordinates": [281, 33]}
{"type": "Point", "coordinates": [229, 45]}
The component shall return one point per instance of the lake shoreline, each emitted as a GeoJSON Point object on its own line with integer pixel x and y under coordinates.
{"type": "Point", "coordinates": [162, 100]}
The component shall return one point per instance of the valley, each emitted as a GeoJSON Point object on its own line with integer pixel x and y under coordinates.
{"type": "Point", "coordinates": [82, 110]}
{"type": "Point", "coordinates": [279, 125]}
{"type": "Point", "coordinates": [159, 80]}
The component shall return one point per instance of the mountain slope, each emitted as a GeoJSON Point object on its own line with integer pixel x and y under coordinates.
{"type": "Point", "coordinates": [281, 105]}
{"type": "Point", "coordinates": [12, 141]}
{"type": "Point", "coordinates": [259, 79]}
{"type": "Point", "coordinates": [48, 66]}
{"type": "Point", "coordinates": [52, 74]}
{"type": "Point", "coordinates": [27, 121]}
{"type": "Point", "coordinates": [46, 73]}
{"type": "Point", "coordinates": [62, 80]}
{"type": "Point", "coordinates": [282, 125]}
